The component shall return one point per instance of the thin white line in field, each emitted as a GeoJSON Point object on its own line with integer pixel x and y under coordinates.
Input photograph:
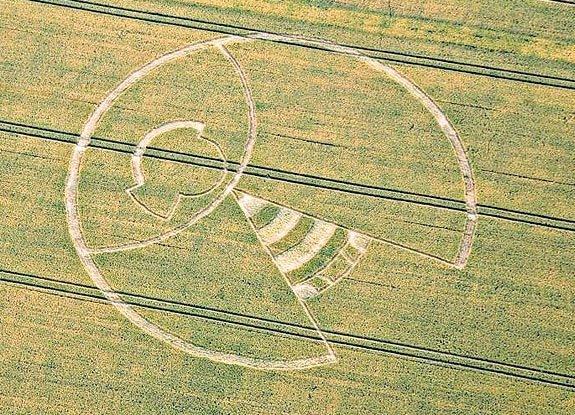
{"type": "Point", "coordinates": [458, 147]}
{"type": "Point", "coordinates": [139, 175]}
{"type": "Point", "coordinates": [219, 43]}
{"type": "Point", "coordinates": [85, 253]}
{"type": "Point", "coordinates": [331, 356]}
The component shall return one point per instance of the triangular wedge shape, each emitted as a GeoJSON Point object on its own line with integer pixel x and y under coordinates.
{"type": "Point", "coordinates": [313, 254]}
{"type": "Point", "coordinates": [216, 289]}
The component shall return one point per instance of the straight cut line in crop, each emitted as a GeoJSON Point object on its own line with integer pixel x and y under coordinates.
{"type": "Point", "coordinates": [378, 54]}
{"type": "Point", "coordinates": [529, 218]}
{"type": "Point", "coordinates": [84, 292]}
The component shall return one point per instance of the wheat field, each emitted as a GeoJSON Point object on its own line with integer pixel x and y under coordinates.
{"type": "Point", "coordinates": [299, 207]}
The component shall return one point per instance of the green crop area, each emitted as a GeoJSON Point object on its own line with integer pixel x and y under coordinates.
{"type": "Point", "coordinates": [287, 207]}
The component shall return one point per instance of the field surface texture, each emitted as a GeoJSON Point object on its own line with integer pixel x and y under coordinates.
{"type": "Point", "coordinates": [287, 207]}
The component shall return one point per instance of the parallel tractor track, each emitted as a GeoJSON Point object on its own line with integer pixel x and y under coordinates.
{"type": "Point", "coordinates": [318, 182]}
{"type": "Point", "coordinates": [564, 2]}
{"type": "Point", "coordinates": [379, 54]}
{"type": "Point", "coordinates": [369, 344]}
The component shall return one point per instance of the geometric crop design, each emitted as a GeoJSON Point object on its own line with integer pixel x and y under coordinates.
{"type": "Point", "coordinates": [311, 254]}
{"type": "Point", "coordinates": [315, 260]}
{"type": "Point", "coordinates": [138, 173]}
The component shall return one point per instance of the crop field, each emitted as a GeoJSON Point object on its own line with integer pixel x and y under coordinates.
{"type": "Point", "coordinates": [287, 207]}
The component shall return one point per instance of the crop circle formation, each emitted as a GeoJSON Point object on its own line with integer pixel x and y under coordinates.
{"type": "Point", "coordinates": [86, 253]}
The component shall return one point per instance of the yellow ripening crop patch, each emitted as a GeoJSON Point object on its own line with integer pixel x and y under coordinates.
{"type": "Point", "coordinates": [68, 60]}
{"type": "Point", "coordinates": [298, 11]}
{"type": "Point", "coordinates": [549, 49]}
{"type": "Point", "coordinates": [34, 236]}
{"type": "Point", "coordinates": [67, 336]}
{"type": "Point", "coordinates": [195, 223]}
{"type": "Point", "coordinates": [494, 287]}
{"type": "Point", "coordinates": [489, 28]}
{"type": "Point", "coordinates": [337, 117]}
{"type": "Point", "coordinates": [519, 136]}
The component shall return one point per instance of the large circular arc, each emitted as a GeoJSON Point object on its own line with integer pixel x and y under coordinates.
{"type": "Point", "coordinates": [427, 102]}
{"type": "Point", "coordinates": [85, 254]}
{"type": "Point", "coordinates": [74, 225]}
{"type": "Point", "coordinates": [90, 127]}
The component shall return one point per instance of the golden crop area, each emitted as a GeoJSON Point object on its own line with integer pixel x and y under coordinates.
{"type": "Point", "coordinates": [287, 207]}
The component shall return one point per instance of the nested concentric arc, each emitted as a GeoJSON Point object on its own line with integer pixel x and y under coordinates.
{"type": "Point", "coordinates": [85, 253]}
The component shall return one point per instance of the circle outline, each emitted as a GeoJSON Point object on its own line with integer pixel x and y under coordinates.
{"type": "Point", "coordinates": [72, 179]}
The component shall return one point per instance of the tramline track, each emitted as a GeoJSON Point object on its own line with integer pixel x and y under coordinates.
{"type": "Point", "coordinates": [368, 344]}
{"type": "Point", "coordinates": [379, 54]}
{"type": "Point", "coordinates": [565, 2]}
{"type": "Point", "coordinates": [551, 222]}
